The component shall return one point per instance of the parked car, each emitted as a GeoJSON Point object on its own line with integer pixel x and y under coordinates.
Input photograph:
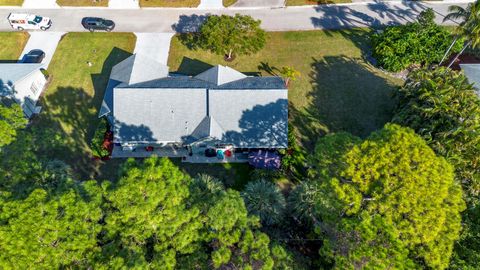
{"type": "Point", "coordinates": [22, 21]}
{"type": "Point", "coordinates": [94, 23]}
{"type": "Point", "coordinates": [33, 56]}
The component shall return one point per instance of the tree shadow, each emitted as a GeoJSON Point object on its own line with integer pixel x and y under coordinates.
{"type": "Point", "coordinates": [261, 126]}
{"type": "Point", "coordinates": [347, 96]}
{"type": "Point", "coordinates": [189, 23]}
{"type": "Point", "coordinates": [266, 67]}
{"type": "Point", "coordinates": [132, 133]}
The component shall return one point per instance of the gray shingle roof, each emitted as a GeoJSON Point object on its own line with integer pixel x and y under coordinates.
{"type": "Point", "coordinates": [13, 72]}
{"type": "Point", "coordinates": [472, 72]}
{"type": "Point", "coordinates": [220, 103]}
{"type": "Point", "coordinates": [138, 68]}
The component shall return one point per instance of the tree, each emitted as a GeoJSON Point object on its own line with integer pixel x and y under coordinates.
{"type": "Point", "coordinates": [50, 229]}
{"type": "Point", "coordinates": [416, 43]}
{"type": "Point", "coordinates": [11, 120]}
{"type": "Point", "coordinates": [148, 221]}
{"type": "Point", "coordinates": [468, 28]}
{"type": "Point", "coordinates": [229, 35]}
{"type": "Point", "coordinates": [391, 200]}
{"type": "Point", "coordinates": [265, 200]}
{"type": "Point", "coordinates": [289, 74]}
{"type": "Point", "coordinates": [444, 109]}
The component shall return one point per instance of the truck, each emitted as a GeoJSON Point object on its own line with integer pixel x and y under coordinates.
{"type": "Point", "coordinates": [23, 21]}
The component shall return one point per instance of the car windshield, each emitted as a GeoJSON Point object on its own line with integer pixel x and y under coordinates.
{"type": "Point", "coordinates": [37, 19]}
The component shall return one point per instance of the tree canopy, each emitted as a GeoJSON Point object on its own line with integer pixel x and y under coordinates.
{"type": "Point", "coordinates": [390, 202]}
{"type": "Point", "coordinates": [11, 120]}
{"type": "Point", "coordinates": [229, 35]}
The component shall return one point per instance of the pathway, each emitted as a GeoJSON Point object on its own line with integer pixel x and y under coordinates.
{"type": "Point", "coordinates": [45, 41]}
{"type": "Point", "coordinates": [281, 19]}
{"type": "Point", "coordinates": [259, 3]}
{"type": "Point", "coordinates": [154, 45]}
{"type": "Point", "coordinates": [123, 4]}
{"type": "Point", "coordinates": [40, 4]}
{"type": "Point", "coordinates": [210, 4]}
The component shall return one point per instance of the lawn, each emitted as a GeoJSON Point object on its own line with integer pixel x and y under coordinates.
{"type": "Point", "coordinates": [337, 90]}
{"type": "Point", "coordinates": [314, 2]}
{"type": "Point", "coordinates": [227, 3]}
{"type": "Point", "coordinates": [169, 3]}
{"type": "Point", "coordinates": [11, 45]}
{"type": "Point", "coordinates": [78, 3]}
{"type": "Point", "coordinates": [80, 69]}
{"type": "Point", "coordinates": [11, 2]}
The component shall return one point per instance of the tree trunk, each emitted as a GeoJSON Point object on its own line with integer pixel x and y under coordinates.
{"type": "Point", "coordinates": [460, 53]}
{"type": "Point", "coordinates": [230, 54]}
{"type": "Point", "coordinates": [287, 80]}
{"type": "Point", "coordinates": [449, 48]}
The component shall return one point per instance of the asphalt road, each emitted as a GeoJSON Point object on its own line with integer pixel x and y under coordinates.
{"type": "Point", "coordinates": [279, 19]}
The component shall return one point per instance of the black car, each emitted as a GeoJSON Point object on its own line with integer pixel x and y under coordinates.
{"type": "Point", "coordinates": [94, 23]}
{"type": "Point", "coordinates": [33, 56]}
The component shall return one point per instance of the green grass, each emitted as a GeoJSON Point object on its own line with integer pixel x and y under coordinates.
{"type": "Point", "coordinates": [71, 102]}
{"type": "Point", "coordinates": [169, 3]}
{"type": "Point", "coordinates": [314, 2]}
{"type": "Point", "coordinates": [79, 3]}
{"type": "Point", "coordinates": [227, 3]}
{"type": "Point", "coordinates": [11, 2]}
{"type": "Point", "coordinates": [337, 89]}
{"type": "Point", "coordinates": [11, 45]}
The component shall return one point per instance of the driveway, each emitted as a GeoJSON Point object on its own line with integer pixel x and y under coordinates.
{"type": "Point", "coordinates": [45, 41]}
{"type": "Point", "coordinates": [259, 3]}
{"type": "Point", "coordinates": [154, 45]}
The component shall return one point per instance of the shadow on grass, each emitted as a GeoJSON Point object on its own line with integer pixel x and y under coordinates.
{"type": "Point", "coordinates": [71, 114]}
{"type": "Point", "coordinates": [346, 96]}
{"type": "Point", "coordinates": [192, 67]}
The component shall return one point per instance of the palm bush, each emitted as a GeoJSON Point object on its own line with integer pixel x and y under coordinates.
{"type": "Point", "coordinates": [422, 43]}
{"type": "Point", "coordinates": [265, 200]}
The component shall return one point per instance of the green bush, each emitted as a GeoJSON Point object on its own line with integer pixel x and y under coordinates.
{"type": "Point", "coordinates": [422, 42]}
{"type": "Point", "coordinates": [97, 141]}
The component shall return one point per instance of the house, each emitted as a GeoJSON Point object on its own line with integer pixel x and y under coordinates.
{"type": "Point", "coordinates": [220, 108]}
{"type": "Point", "coordinates": [22, 83]}
{"type": "Point", "coordinates": [472, 72]}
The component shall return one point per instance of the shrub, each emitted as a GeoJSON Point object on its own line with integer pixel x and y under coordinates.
{"type": "Point", "coordinates": [96, 145]}
{"type": "Point", "coordinates": [265, 200]}
{"type": "Point", "coordinates": [422, 42]}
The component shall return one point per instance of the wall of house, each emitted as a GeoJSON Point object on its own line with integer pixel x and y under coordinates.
{"type": "Point", "coordinates": [28, 91]}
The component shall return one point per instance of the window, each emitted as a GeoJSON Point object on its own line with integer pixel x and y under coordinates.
{"type": "Point", "coordinates": [37, 19]}
{"type": "Point", "coordinates": [34, 88]}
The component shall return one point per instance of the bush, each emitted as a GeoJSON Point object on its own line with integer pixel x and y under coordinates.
{"type": "Point", "coordinates": [97, 147]}
{"type": "Point", "coordinates": [293, 158]}
{"type": "Point", "coordinates": [265, 200]}
{"type": "Point", "coordinates": [422, 42]}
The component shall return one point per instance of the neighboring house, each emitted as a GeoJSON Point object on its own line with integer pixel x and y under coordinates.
{"type": "Point", "coordinates": [472, 72]}
{"type": "Point", "coordinates": [220, 107]}
{"type": "Point", "coordinates": [22, 83]}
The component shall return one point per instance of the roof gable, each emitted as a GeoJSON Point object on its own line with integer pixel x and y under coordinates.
{"type": "Point", "coordinates": [138, 68]}
{"type": "Point", "coordinates": [219, 75]}
{"type": "Point", "coordinates": [13, 72]}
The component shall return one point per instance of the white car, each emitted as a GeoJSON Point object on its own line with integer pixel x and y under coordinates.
{"type": "Point", "coordinates": [22, 21]}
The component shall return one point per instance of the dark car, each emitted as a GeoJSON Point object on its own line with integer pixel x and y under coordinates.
{"type": "Point", "coordinates": [33, 56]}
{"type": "Point", "coordinates": [94, 23]}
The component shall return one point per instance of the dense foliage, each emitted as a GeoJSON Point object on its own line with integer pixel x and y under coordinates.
{"type": "Point", "coordinates": [11, 120]}
{"type": "Point", "coordinates": [444, 109]}
{"type": "Point", "coordinates": [265, 200]}
{"type": "Point", "coordinates": [422, 42]}
{"type": "Point", "coordinates": [98, 149]}
{"type": "Point", "coordinates": [388, 202]}
{"type": "Point", "coordinates": [229, 35]}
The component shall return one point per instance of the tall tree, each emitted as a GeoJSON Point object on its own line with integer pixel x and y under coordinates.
{"type": "Point", "coordinates": [148, 221]}
{"type": "Point", "coordinates": [391, 203]}
{"type": "Point", "coordinates": [469, 27]}
{"type": "Point", "coordinates": [265, 200]}
{"type": "Point", "coordinates": [50, 229]}
{"type": "Point", "coordinates": [229, 35]}
{"type": "Point", "coordinates": [11, 120]}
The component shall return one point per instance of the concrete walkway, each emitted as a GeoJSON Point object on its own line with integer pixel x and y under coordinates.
{"type": "Point", "coordinates": [40, 4]}
{"type": "Point", "coordinates": [123, 4]}
{"type": "Point", "coordinates": [213, 4]}
{"type": "Point", "coordinates": [45, 41]}
{"type": "Point", "coordinates": [259, 3]}
{"type": "Point", "coordinates": [154, 45]}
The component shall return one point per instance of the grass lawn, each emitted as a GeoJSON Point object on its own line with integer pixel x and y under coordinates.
{"type": "Point", "coordinates": [337, 90]}
{"type": "Point", "coordinates": [77, 3]}
{"type": "Point", "coordinates": [314, 2]}
{"type": "Point", "coordinates": [11, 45]}
{"type": "Point", "coordinates": [227, 3]}
{"type": "Point", "coordinates": [71, 102]}
{"type": "Point", "coordinates": [169, 3]}
{"type": "Point", "coordinates": [11, 2]}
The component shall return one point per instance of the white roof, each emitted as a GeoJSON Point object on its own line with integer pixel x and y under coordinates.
{"type": "Point", "coordinates": [18, 16]}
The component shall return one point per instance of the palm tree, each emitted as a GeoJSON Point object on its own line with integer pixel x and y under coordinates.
{"type": "Point", "coordinates": [468, 28]}
{"type": "Point", "coordinates": [289, 74]}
